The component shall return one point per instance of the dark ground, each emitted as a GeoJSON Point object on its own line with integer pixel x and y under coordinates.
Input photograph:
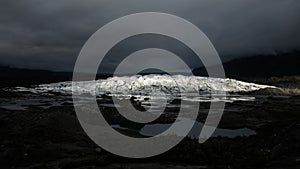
{"type": "Point", "coordinates": [53, 138]}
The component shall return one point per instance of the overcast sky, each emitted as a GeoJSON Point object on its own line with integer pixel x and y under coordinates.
{"type": "Point", "coordinates": [50, 34]}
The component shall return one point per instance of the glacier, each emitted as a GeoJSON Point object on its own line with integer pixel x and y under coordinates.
{"type": "Point", "coordinates": [149, 85]}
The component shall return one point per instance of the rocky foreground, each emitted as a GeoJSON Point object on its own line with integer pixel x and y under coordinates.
{"type": "Point", "coordinates": [51, 137]}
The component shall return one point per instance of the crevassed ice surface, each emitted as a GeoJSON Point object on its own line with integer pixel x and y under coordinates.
{"type": "Point", "coordinates": [150, 85]}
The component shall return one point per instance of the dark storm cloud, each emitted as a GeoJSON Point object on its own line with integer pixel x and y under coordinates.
{"type": "Point", "coordinates": [50, 34]}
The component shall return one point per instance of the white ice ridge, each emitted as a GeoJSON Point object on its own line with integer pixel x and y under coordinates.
{"type": "Point", "coordinates": [151, 84]}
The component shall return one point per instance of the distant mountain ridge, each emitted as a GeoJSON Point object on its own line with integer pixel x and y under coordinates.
{"type": "Point", "coordinates": [18, 76]}
{"type": "Point", "coordinates": [260, 66]}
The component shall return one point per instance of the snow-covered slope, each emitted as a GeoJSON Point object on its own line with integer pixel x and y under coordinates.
{"type": "Point", "coordinates": [150, 84]}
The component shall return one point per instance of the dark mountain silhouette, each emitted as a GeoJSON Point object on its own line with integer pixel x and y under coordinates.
{"type": "Point", "coordinates": [23, 77]}
{"type": "Point", "coordinates": [261, 66]}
